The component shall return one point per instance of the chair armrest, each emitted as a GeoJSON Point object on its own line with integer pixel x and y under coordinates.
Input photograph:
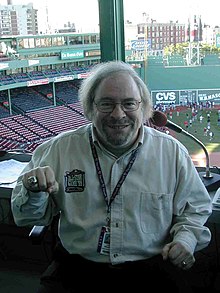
{"type": "Point", "coordinates": [40, 233]}
{"type": "Point", "coordinates": [37, 234]}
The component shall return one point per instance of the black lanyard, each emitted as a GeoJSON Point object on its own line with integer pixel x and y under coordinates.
{"type": "Point", "coordinates": [100, 175]}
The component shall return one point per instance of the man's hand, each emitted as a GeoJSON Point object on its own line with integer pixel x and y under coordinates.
{"type": "Point", "coordinates": [41, 179]}
{"type": "Point", "coordinates": [178, 255]}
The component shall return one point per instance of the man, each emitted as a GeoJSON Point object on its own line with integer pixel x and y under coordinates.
{"type": "Point", "coordinates": [131, 203]}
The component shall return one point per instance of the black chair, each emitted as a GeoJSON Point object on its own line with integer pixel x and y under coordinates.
{"type": "Point", "coordinates": [46, 236]}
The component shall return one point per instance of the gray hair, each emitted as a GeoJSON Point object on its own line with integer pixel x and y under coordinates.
{"type": "Point", "coordinates": [102, 71]}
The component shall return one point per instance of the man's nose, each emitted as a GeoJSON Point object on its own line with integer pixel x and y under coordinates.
{"type": "Point", "coordinates": [118, 111]}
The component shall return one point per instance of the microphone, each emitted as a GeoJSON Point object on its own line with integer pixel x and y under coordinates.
{"type": "Point", "coordinates": [211, 181]}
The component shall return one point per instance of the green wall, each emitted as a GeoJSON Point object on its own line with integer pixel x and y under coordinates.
{"type": "Point", "coordinates": [179, 78]}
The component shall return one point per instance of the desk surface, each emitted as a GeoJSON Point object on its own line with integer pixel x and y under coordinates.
{"type": "Point", "coordinates": [5, 191]}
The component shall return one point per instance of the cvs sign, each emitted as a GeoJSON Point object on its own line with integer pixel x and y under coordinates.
{"type": "Point", "coordinates": [165, 97]}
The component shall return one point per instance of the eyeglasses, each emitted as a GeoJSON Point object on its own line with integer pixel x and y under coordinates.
{"type": "Point", "coordinates": [127, 106]}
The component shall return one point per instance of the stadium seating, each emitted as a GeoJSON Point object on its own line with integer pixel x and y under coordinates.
{"type": "Point", "coordinates": [58, 119]}
{"type": "Point", "coordinates": [26, 99]}
{"type": "Point", "coordinates": [77, 107]}
{"type": "Point", "coordinates": [21, 77]}
{"type": "Point", "coordinates": [36, 75]}
{"type": "Point", "coordinates": [6, 79]}
{"type": "Point", "coordinates": [35, 119]}
{"type": "Point", "coordinates": [3, 112]}
{"type": "Point", "coordinates": [52, 73]}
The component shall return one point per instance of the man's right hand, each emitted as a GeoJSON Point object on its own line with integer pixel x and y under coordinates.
{"type": "Point", "coordinates": [41, 179]}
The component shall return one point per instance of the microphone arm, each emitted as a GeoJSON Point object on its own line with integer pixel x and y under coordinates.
{"type": "Point", "coordinates": [179, 129]}
{"type": "Point", "coordinates": [211, 181]}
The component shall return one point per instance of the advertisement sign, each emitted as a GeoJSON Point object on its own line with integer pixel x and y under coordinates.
{"type": "Point", "coordinates": [165, 97]}
{"type": "Point", "coordinates": [187, 96]}
{"type": "Point", "coordinates": [63, 78]}
{"type": "Point", "coordinates": [38, 82]}
{"type": "Point", "coordinates": [72, 54]}
{"type": "Point", "coordinates": [209, 95]}
{"type": "Point", "coordinates": [140, 45]}
{"type": "Point", "coordinates": [4, 66]}
{"type": "Point", "coordinates": [92, 53]}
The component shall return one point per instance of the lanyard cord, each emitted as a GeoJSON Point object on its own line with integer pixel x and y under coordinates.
{"type": "Point", "coordinates": [100, 175]}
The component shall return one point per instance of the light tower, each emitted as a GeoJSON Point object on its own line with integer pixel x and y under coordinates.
{"type": "Point", "coordinates": [48, 27]}
{"type": "Point", "coordinates": [194, 32]}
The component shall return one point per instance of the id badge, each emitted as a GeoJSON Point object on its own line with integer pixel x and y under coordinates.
{"type": "Point", "coordinates": [104, 241]}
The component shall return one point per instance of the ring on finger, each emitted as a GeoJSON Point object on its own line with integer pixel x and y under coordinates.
{"type": "Point", "coordinates": [32, 181]}
{"type": "Point", "coordinates": [183, 263]}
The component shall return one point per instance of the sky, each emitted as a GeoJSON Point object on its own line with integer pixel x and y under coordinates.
{"type": "Point", "coordinates": [84, 13]}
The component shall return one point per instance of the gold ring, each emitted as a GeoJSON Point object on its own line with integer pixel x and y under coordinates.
{"type": "Point", "coordinates": [183, 263]}
{"type": "Point", "coordinates": [32, 180]}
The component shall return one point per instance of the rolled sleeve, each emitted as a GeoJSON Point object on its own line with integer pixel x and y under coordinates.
{"type": "Point", "coordinates": [28, 206]}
